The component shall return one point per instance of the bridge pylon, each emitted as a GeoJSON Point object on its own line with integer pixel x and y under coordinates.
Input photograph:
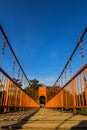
{"type": "Point", "coordinates": [42, 96]}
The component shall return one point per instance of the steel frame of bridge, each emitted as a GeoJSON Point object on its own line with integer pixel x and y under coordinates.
{"type": "Point", "coordinates": [72, 95]}
{"type": "Point", "coordinates": [12, 96]}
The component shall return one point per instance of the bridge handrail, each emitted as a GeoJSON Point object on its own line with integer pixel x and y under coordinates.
{"type": "Point", "coordinates": [13, 96]}
{"type": "Point", "coordinates": [73, 94]}
{"type": "Point", "coordinates": [1, 70]}
{"type": "Point", "coordinates": [80, 40]}
{"type": "Point", "coordinates": [73, 77]}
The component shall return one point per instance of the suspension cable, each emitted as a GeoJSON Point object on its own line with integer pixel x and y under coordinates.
{"type": "Point", "coordinates": [70, 67]}
{"type": "Point", "coordinates": [82, 52]}
{"type": "Point", "coordinates": [13, 53]}
{"type": "Point", "coordinates": [80, 40]}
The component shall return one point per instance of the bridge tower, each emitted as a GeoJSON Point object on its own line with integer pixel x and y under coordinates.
{"type": "Point", "coordinates": [42, 95]}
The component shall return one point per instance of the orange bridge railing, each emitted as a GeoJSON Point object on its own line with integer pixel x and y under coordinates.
{"type": "Point", "coordinates": [13, 97]}
{"type": "Point", "coordinates": [73, 94]}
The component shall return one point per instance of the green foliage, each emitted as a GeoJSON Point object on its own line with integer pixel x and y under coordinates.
{"type": "Point", "coordinates": [35, 84]}
{"type": "Point", "coordinates": [82, 111]}
{"type": "Point", "coordinates": [32, 90]}
{"type": "Point", "coordinates": [18, 82]}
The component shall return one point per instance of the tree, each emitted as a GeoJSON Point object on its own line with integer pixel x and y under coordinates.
{"type": "Point", "coordinates": [18, 82]}
{"type": "Point", "coordinates": [35, 84]}
{"type": "Point", "coordinates": [32, 90]}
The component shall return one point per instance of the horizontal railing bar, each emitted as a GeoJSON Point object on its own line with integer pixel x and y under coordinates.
{"type": "Point", "coordinates": [85, 66]}
{"type": "Point", "coordinates": [2, 71]}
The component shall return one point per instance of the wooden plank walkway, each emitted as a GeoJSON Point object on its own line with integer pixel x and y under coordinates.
{"type": "Point", "coordinates": [44, 119]}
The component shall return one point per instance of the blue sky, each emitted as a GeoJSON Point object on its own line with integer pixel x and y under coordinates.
{"type": "Point", "coordinates": [43, 33]}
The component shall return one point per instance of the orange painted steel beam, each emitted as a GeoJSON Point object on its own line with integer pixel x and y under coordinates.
{"type": "Point", "coordinates": [68, 96]}
{"type": "Point", "coordinates": [13, 96]}
{"type": "Point", "coordinates": [42, 91]}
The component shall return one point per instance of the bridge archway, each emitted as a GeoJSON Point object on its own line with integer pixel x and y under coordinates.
{"type": "Point", "coordinates": [42, 100]}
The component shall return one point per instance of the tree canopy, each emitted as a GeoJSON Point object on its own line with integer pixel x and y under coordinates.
{"type": "Point", "coordinates": [35, 84]}
{"type": "Point", "coordinates": [18, 82]}
{"type": "Point", "coordinates": [32, 90]}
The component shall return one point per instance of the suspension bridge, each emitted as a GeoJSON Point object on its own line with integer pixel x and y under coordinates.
{"type": "Point", "coordinates": [68, 93]}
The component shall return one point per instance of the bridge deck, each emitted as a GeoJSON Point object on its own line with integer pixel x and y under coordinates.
{"type": "Point", "coordinates": [44, 119]}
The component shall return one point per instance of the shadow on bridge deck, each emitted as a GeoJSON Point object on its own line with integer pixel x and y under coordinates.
{"type": "Point", "coordinates": [69, 123]}
{"type": "Point", "coordinates": [17, 124]}
{"type": "Point", "coordinates": [81, 126]}
{"type": "Point", "coordinates": [49, 119]}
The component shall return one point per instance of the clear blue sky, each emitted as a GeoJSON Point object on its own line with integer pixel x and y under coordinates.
{"type": "Point", "coordinates": [43, 33]}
